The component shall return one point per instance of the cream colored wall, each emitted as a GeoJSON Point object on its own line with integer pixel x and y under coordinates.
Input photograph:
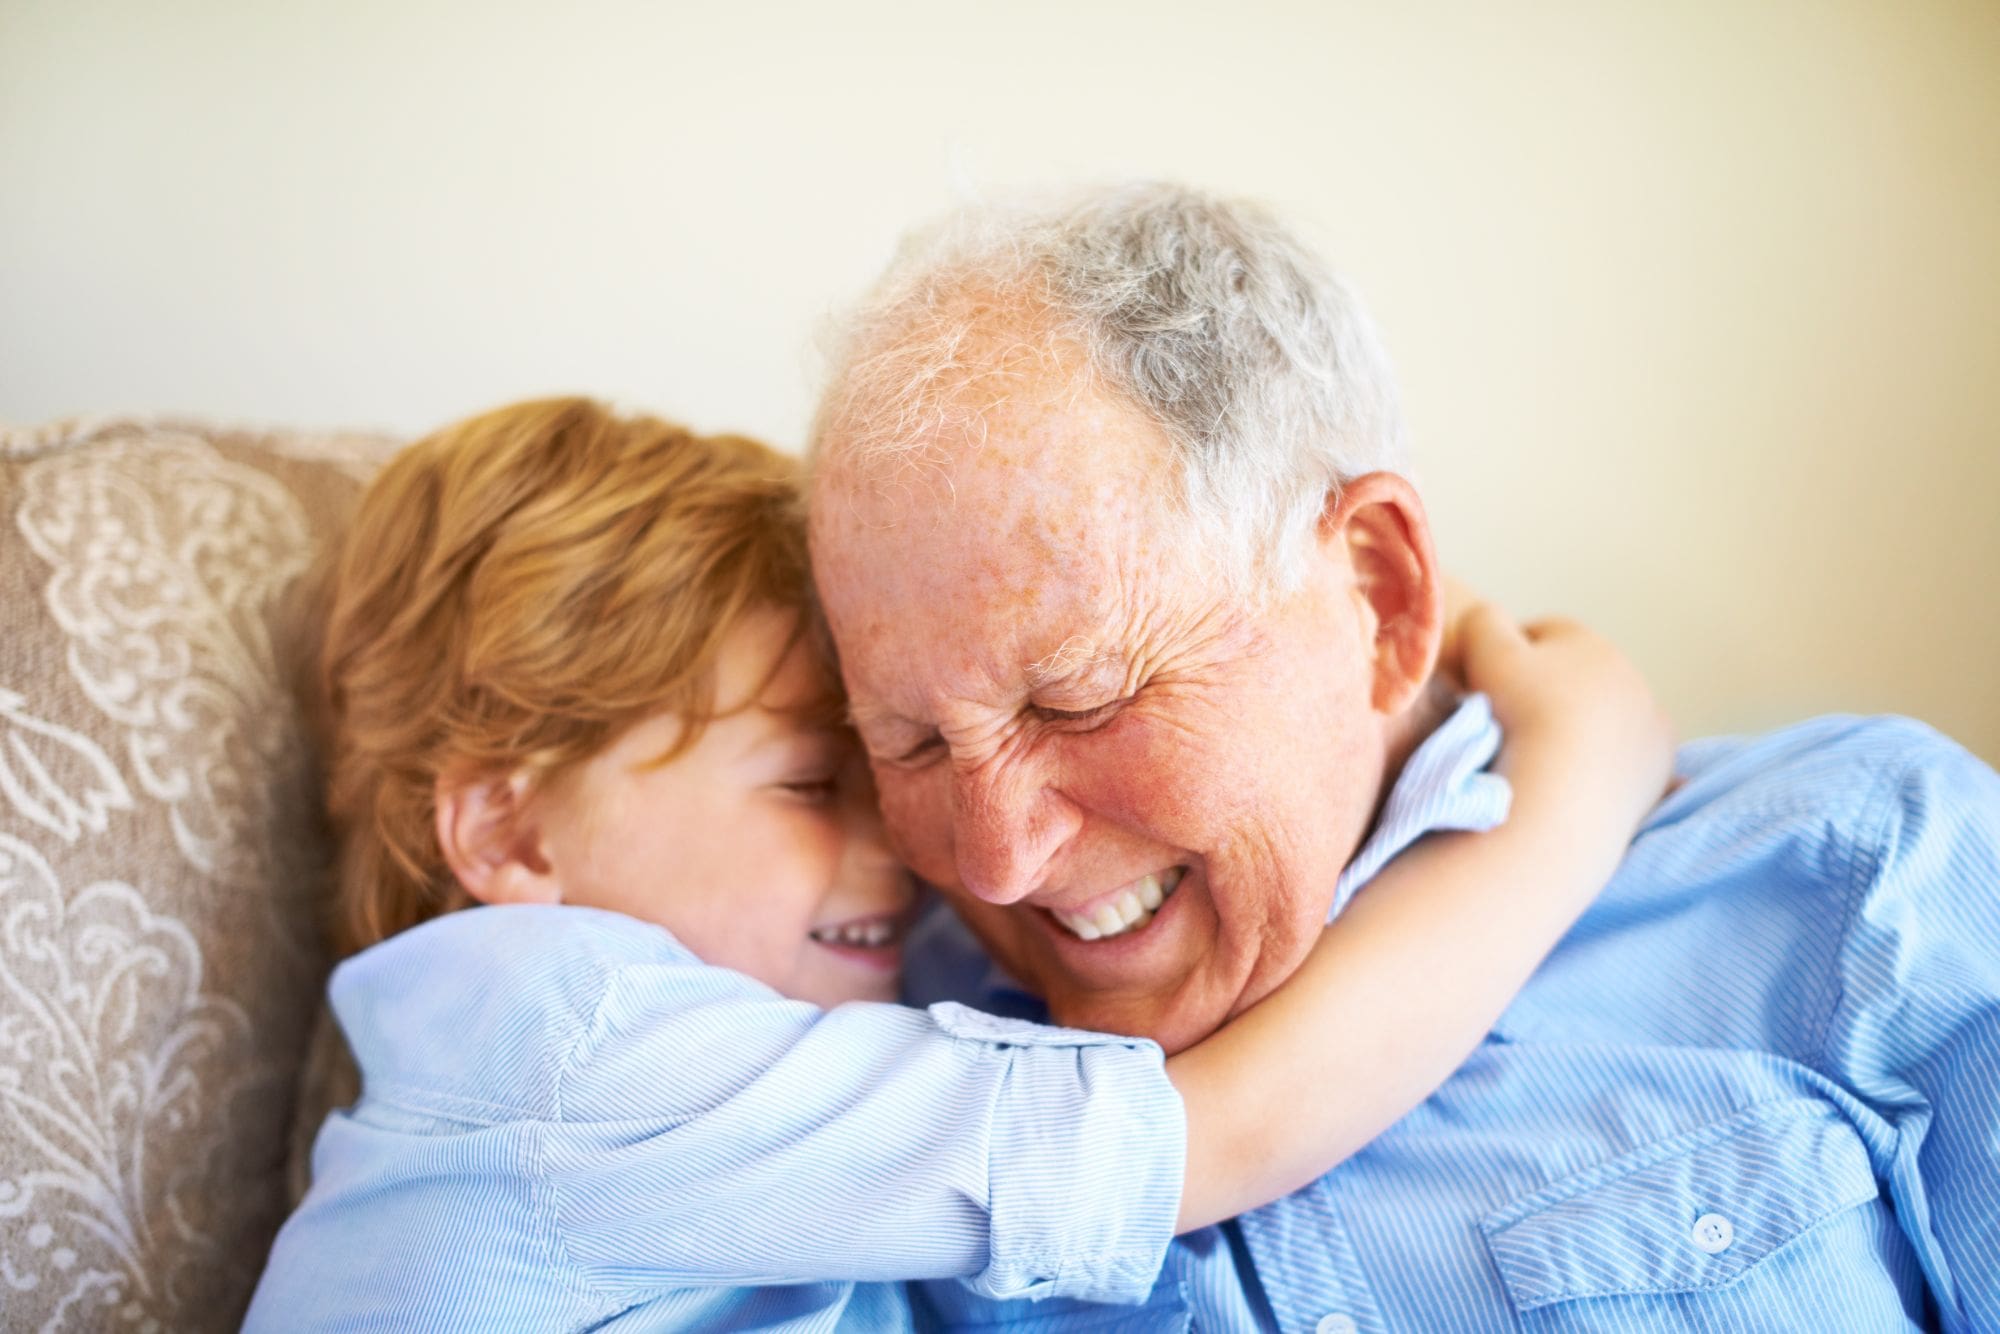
{"type": "Point", "coordinates": [1695, 305]}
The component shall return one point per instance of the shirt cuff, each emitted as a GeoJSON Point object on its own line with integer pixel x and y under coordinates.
{"type": "Point", "coordinates": [1089, 1153]}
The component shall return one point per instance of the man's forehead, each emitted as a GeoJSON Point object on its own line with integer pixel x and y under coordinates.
{"type": "Point", "coordinates": [1034, 483]}
{"type": "Point", "coordinates": [968, 616]}
{"type": "Point", "coordinates": [1008, 556]}
{"type": "Point", "coordinates": [991, 562]}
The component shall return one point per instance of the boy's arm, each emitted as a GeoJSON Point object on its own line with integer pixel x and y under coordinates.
{"type": "Point", "coordinates": [1402, 987]}
{"type": "Point", "coordinates": [713, 1132]}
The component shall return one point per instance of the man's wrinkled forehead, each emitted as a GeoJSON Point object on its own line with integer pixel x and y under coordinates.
{"type": "Point", "coordinates": [1041, 493]}
{"type": "Point", "coordinates": [973, 570]}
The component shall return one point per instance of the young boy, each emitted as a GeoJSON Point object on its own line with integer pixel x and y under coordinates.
{"type": "Point", "coordinates": [625, 932]}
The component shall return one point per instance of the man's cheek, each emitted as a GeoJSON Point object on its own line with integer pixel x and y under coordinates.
{"type": "Point", "coordinates": [1162, 779]}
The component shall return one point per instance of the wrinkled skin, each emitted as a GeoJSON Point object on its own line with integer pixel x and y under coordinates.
{"type": "Point", "coordinates": [1058, 697]}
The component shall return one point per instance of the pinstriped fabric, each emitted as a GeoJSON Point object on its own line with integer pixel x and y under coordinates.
{"type": "Point", "coordinates": [1634, 1207]}
{"type": "Point", "coordinates": [569, 1122]}
{"type": "Point", "coordinates": [1444, 785]}
{"type": "Point", "coordinates": [1783, 1013]}
{"type": "Point", "coordinates": [1309, 1241]}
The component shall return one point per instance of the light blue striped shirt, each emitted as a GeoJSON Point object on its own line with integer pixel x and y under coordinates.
{"type": "Point", "coordinates": [569, 1122]}
{"type": "Point", "coordinates": [1756, 1088]}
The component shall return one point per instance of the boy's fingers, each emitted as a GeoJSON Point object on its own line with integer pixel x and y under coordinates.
{"type": "Point", "coordinates": [1553, 627]}
{"type": "Point", "coordinates": [1488, 619]}
{"type": "Point", "coordinates": [1489, 638]}
{"type": "Point", "coordinates": [1458, 599]}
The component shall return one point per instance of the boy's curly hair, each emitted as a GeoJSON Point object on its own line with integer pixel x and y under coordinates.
{"type": "Point", "coordinates": [514, 591]}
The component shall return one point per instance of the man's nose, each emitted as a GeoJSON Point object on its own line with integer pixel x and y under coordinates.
{"type": "Point", "coordinates": [1007, 824]}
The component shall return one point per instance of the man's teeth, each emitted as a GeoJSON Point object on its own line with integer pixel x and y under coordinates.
{"type": "Point", "coordinates": [877, 931]}
{"type": "Point", "coordinates": [1130, 910]}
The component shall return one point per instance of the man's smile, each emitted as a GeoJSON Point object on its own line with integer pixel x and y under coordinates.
{"type": "Point", "coordinates": [1123, 910]}
{"type": "Point", "coordinates": [1139, 955]}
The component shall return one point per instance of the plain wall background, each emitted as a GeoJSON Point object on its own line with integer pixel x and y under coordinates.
{"type": "Point", "coordinates": [1696, 306]}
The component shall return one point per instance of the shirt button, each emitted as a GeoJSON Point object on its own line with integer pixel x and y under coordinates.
{"type": "Point", "coordinates": [1714, 1233]}
{"type": "Point", "coordinates": [1337, 1323]}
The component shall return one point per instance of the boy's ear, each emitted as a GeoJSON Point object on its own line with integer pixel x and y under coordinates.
{"type": "Point", "coordinates": [491, 840]}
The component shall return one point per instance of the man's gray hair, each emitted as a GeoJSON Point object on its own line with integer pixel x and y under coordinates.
{"type": "Point", "coordinates": [1262, 368]}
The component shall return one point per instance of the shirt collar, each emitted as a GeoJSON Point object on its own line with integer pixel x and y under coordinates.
{"type": "Point", "coordinates": [1445, 784]}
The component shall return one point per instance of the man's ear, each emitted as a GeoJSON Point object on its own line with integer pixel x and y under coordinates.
{"type": "Point", "coordinates": [1377, 523]}
{"type": "Point", "coordinates": [487, 831]}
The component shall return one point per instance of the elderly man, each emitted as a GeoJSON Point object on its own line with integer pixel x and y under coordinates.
{"type": "Point", "coordinates": [1138, 610]}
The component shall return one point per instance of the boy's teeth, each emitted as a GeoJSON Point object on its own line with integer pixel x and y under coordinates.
{"type": "Point", "coordinates": [1129, 911]}
{"type": "Point", "coordinates": [873, 933]}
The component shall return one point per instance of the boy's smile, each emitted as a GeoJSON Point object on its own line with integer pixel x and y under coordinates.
{"type": "Point", "coordinates": [875, 941]}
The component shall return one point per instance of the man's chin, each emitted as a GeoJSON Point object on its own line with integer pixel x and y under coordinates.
{"type": "Point", "coordinates": [1174, 1026]}
{"type": "Point", "coordinates": [1177, 1003]}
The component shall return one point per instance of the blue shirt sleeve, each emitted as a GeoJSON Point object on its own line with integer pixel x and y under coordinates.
{"type": "Point", "coordinates": [1916, 1032]}
{"type": "Point", "coordinates": [709, 1131]}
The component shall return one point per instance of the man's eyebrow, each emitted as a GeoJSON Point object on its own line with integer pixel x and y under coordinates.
{"type": "Point", "coordinates": [1072, 658]}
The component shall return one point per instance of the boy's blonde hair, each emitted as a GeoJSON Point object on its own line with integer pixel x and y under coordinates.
{"type": "Point", "coordinates": [515, 590]}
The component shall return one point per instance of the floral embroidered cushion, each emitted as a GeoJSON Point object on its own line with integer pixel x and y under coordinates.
{"type": "Point", "coordinates": [162, 860]}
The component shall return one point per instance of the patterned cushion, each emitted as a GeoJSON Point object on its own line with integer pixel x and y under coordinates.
{"type": "Point", "coordinates": [161, 860]}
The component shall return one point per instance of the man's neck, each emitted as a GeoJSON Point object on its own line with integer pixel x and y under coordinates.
{"type": "Point", "coordinates": [1408, 730]}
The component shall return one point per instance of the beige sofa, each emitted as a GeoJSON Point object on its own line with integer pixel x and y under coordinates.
{"type": "Point", "coordinates": [161, 864]}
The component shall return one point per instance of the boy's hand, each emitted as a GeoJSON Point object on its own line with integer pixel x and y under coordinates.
{"type": "Point", "coordinates": [1566, 696]}
{"type": "Point", "coordinates": [1458, 600]}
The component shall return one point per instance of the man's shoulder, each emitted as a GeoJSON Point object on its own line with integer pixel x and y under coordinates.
{"type": "Point", "coordinates": [1834, 825]}
{"type": "Point", "coordinates": [1855, 860]}
{"type": "Point", "coordinates": [1843, 773]}
{"type": "Point", "coordinates": [1749, 913]}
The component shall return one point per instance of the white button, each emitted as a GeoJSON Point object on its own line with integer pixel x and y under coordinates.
{"type": "Point", "coordinates": [1714, 1233]}
{"type": "Point", "coordinates": [1337, 1324]}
